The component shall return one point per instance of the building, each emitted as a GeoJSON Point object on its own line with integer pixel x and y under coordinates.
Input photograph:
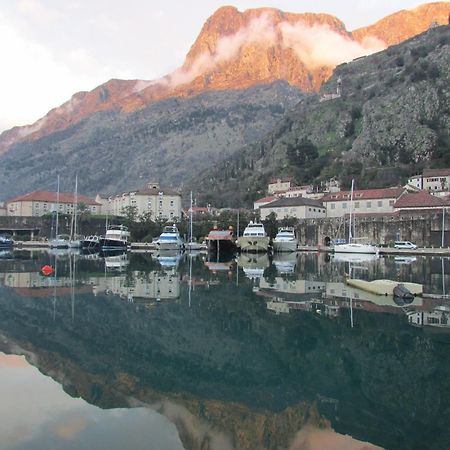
{"type": "Point", "coordinates": [433, 180]}
{"type": "Point", "coordinates": [420, 201]}
{"type": "Point", "coordinates": [297, 207]}
{"type": "Point", "coordinates": [279, 185]}
{"type": "Point", "coordinates": [38, 203]}
{"type": "Point", "coordinates": [263, 201]}
{"type": "Point", "coordinates": [299, 191]}
{"type": "Point", "coordinates": [374, 201]}
{"type": "Point", "coordinates": [162, 204]}
{"type": "Point", "coordinates": [436, 180]}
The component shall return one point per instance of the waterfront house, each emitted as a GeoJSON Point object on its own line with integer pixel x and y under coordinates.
{"type": "Point", "coordinates": [420, 201]}
{"type": "Point", "coordinates": [297, 207]}
{"type": "Point", "coordinates": [38, 203]}
{"type": "Point", "coordinates": [376, 201]}
{"type": "Point", "coordinates": [161, 203]}
{"type": "Point", "coordinates": [436, 181]}
{"type": "Point", "coordinates": [263, 201]}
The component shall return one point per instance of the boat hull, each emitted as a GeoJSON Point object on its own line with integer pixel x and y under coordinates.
{"type": "Point", "coordinates": [285, 246]}
{"type": "Point", "coordinates": [253, 243]}
{"type": "Point", "coordinates": [112, 244]}
{"type": "Point", "coordinates": [356, 248]}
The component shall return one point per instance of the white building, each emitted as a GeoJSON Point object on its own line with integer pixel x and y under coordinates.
{"type": "Point", "coordinates": [163, 204]}
{"type": "Point", "coordinates": [297, 207]}
{"type": "Point", "coordinates": [436, 181]}
{"type": "Point", "coordinates": [38, 203]}
{"type": "Point", "coordinates": [368, 201]}
{"type": "Point", "coordinates": [279, 185]}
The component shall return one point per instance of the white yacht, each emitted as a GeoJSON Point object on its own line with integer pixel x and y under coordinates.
{"type": "Point", "coordinates": [170, 239]}
{"type": "Point", "coordinates": [254, 238]}
{"type": "Point", "coordinates": [60, 241]}
{"type": "Point", "coordinates": [116, 237]}
{"type": "Point", "coordinates": [352, 246]}
{"type": "Point", "coordinates": [285, 240]}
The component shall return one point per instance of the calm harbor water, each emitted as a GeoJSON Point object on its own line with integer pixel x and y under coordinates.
{"type": "Point", "coordinates": [171, 351]}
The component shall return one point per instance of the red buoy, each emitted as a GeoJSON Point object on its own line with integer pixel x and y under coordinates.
{"type": "Point", "coordinates": [47, 270]}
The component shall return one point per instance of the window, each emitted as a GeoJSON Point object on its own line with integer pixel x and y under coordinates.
{"type": "Point", "coordinates": [344, 205]}
{"type": "Point", "coordinates": [391, 202]}
{"type": "Point", "coordinates": [356, 205]}
{"type": "Point", "coordinates": [380, 203]}
{"type": "Point", "coordinates": [332, 206]}
{"type": "Point", "coordinates": [171, 202]}
{"type": "Point", "coordinates": [369, 204]}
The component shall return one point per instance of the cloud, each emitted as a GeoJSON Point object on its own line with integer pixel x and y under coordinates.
{"type": "Point", "coordinates": [38, 13]}
{"type": "Point", "coordinates": [228, 47]}
{"type": "Point", "coordinates": [319, 45]}
{"type": "Point", "coordinates": [316, 45]}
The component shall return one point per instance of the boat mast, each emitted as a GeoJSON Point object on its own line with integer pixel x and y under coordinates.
{"type": "Point", "coordinates": [73, 224]}
{"type": "Point", "coordinates": [350, 231]}
{"type": "Point", "coordinates": [57, 209]}
{"type": "Point", "coordinates": [190, 222]}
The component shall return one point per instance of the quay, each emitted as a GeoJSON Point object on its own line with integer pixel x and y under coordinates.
{"type": "Point", "coordinates": [150, 246]}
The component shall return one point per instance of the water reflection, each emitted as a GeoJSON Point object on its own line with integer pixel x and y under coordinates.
{"type": "Point", "coordinates": [239, 354]}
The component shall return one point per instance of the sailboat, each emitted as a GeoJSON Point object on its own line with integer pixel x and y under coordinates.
{"type": "Point", "coordinates": [191, 245]}
{"type": "Point", "coordinates": [352, 246]}
{"type": "Point", "coordinates": [75, 241]}
{"type": "Point", "coordinates": [60, 240]}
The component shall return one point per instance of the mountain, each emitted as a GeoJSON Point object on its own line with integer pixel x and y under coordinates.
{"type": "Point", "coordinates": [391, 120]}
{"type": "Point", "coordinates": [237, 50]}
{"type": "Point", "coordinates": [169, 141]}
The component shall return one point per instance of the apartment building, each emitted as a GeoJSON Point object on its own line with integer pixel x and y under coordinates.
{"type": "Point", "coordinates": [38, 203]}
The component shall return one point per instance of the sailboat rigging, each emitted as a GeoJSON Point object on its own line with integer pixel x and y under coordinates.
{"type": "Point", "coordinates": [352, 246]}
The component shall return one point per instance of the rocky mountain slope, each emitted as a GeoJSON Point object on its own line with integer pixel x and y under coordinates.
{"type": "Point", "coordinates": [168, 141]}
{"type": "Point", "coordinates": [392, 119]}
{"type": "Point", "coordinates": [237, 50]}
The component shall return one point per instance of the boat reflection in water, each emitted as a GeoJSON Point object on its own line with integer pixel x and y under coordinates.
{"type": "Point", "coordinates": [253, 264]}
{"type": "Point", "coordinates": [215, 367]}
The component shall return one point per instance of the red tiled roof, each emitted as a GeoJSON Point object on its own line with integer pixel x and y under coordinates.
{"type": "Point", "coordinates": [436, 172]}
{"type": "Point", "coordinates": [51, 197]}
{"type": "Point", "coordinates": [420, 199]}
{"type": "Point", "coordinates": [364, 194]}
{"type": "Point", "coordinates": [265, 199]}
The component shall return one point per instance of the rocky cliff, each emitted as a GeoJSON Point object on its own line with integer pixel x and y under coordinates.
{"type": "Point", "coordinates": [378, 119]}
{"type": "Point", "coordinates": [237, 50]}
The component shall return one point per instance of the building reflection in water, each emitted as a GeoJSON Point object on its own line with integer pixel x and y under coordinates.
{"type": "Point", "coordinates": [226, 369]}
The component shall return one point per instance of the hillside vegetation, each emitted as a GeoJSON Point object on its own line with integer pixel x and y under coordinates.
{"type": "Point", "coordinates": [169, 141]}
{"type": "Point", "coordinates": [392, 120]}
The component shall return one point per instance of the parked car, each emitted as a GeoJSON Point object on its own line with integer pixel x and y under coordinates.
{"type": "Point", "coordinates": [405, 244]}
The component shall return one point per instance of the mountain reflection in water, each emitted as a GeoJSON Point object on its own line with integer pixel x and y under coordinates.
{"type": "Point", "coordinates": [240, 354]}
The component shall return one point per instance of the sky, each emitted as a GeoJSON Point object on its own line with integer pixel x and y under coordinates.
{"type": "Point", "coordinates": [51, 49]}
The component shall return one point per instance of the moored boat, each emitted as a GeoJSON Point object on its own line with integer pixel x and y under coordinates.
{"type": "Point", "coordinates": [91, 242]}
{"type": "Point", "coordinates": [254, 238]}
{"type": "Point", "coordinates": [60, 241]}
{"type": "Point", "coordinates": [116, 237]}
{"type": "Point", "coordinates": [221, 240]}
{"type": "Point", "coordinates": [6, 241]}
{"type": "Point", "coordinates": [285, 240]}
{"type": "Point", "coordinates": [170, 239]}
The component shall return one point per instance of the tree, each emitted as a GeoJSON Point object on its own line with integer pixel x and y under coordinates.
{"type": "Point", "coordinates": [130, 213]}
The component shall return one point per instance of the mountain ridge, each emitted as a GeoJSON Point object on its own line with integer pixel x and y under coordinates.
{"type": "Point", "coordinates": [232, 57]}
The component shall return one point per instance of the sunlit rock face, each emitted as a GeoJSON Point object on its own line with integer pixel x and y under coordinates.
{"type": "Point", "coordinates": [236, 50]}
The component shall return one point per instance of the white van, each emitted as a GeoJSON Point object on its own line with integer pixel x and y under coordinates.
{"type": "Point", "coordinates": [405, 244]}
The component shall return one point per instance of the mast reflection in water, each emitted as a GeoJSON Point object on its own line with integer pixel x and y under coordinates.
{"type": "Point", "coordinates": [250, 353]}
